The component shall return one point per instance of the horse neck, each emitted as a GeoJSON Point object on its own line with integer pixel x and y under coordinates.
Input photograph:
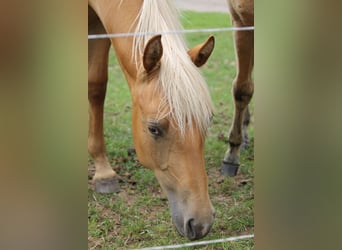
{"type": "Point", "coordinates": [123, 49]}
{"type": "Point", "coordinates": [121, 18]}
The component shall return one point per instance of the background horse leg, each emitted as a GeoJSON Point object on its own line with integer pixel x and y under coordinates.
{"type": "Point", "coordinates": [242, 13]}
{"type": "Point", "coordinates": [105, 178]}
{"type": "Point", "coordinates": [245, 124]}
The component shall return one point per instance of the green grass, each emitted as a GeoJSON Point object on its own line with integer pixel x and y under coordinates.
{"type": "Point", "coordinates": [139, 215]}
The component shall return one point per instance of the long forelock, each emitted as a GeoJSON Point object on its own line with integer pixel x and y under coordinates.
{"type": "Point", "coordinates": [186, 96]}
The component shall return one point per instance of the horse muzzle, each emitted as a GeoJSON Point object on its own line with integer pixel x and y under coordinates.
{"type": "Point", "coordinates": [194, 231]}
{"type": "Point", "coordinates": [192, 227]}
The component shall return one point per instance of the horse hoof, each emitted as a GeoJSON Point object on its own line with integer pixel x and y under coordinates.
{"type": "Point", "coordinates": [229, 169]}
{"type": "Point", "coordinates": [106, 186]}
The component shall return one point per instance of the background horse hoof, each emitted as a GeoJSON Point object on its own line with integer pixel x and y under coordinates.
{"type": "Point", "coordinates": [106, 186]}
{"type": "Point", "coordinates": [229, 169]}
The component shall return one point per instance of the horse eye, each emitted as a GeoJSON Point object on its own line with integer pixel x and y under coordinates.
{"type": "Point", "coordinates": [155, 131]}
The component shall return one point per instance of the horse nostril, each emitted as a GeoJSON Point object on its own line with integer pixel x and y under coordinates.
{"type": "Point", "coordinates": [190, 230]}
{"type": "Point", "coordinates": [194, 232]}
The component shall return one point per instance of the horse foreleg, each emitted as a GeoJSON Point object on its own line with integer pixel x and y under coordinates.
{"type": "Point", "coordinates": [243, 89]}
{"type": "Point", "coordinates": [105, 178]}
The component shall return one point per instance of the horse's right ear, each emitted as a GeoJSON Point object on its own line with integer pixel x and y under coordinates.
{"type": "Point", "coordinates": [152, 53]}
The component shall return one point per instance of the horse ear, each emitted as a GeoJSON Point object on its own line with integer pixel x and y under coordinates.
{"type": "Point", "coordinates": [152, 53]}
{"type": "Point", "coordinates": [200, 53]}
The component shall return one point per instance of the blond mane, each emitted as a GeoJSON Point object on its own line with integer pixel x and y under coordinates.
{"type": "Point", "coordinates": [183, 86]}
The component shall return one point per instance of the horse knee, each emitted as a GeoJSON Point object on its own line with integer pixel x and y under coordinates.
{"type": "Point", "coordinates": [243, 93]}
{"type": "Point", "coordinates": [97, 91]}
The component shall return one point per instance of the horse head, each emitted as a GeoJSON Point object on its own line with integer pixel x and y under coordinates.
{"type": "Point", "coordinates": [171, 111]}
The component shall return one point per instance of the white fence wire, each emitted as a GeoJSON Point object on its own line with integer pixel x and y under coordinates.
{"type": "Point", "coordinates": [171, 32]}
{"type": "Point", "coordinates": [200, 243]}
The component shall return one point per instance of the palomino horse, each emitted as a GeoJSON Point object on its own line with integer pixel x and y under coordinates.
{"type": "Point", "coordinates": [242, 14]}
{"type": "Point", "coordinates": [171, 105]}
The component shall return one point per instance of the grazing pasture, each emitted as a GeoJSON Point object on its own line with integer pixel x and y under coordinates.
{"type": "Point", "coordinates": [139, 216]}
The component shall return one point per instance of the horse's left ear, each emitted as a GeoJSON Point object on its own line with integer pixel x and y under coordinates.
{"type": "Point", "coordinates": [200, 53]}
{"type": "Point", "coordinates": [152, 53]}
